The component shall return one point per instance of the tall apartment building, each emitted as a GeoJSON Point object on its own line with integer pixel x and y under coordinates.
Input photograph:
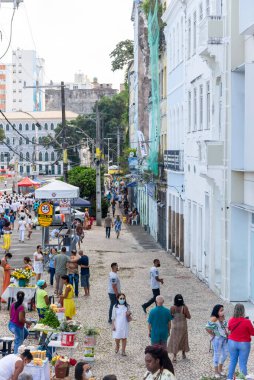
{"type": "Point", "coordinates": [25, 75]}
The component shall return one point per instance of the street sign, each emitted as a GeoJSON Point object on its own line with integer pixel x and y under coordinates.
{"type": "Point", "coordinates": [45, 214]}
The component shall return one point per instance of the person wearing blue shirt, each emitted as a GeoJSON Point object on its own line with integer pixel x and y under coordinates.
{"type": "Point", "coordinates": [159, 323]}
{"type": "Point", "coordinates": [52, 256]}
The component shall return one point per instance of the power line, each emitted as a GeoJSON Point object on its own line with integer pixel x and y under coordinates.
{"type": "Point", "coordinates": [10, 39]}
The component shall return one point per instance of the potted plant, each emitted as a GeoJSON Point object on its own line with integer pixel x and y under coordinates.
{"type": "Point", "coordinates": [90, 336]}
{"type": "Point", "coordinates": [50, 319]}
{"type": "Point", "coordinates": [69, 330]}
{"type": "Point", "coordinates": [62, 365]}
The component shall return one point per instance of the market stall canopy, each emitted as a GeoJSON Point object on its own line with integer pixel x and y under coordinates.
{"type": "Point", "coordinates": [79, 202]}
{"type": "Point", "coordinates": [27, 182]}
{"type": "Point", "coordinates": [57, 190]}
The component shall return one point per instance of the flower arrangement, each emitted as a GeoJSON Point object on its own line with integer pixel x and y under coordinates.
{"type": "Point", "coordinates": [69, 326]}
{"type": "Point", "coordinates": [91, 331]}
{"type": "Point", "coordinates": [70, 361]}
{"type": "Point", "coordinates": [22, 274]}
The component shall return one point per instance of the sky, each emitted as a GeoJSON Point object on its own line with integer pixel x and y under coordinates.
{"type": "Point", "coordinates": [71, 35]}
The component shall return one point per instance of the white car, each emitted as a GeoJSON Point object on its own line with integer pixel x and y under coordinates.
{"type": "Point", "coordinates": [75, 213]}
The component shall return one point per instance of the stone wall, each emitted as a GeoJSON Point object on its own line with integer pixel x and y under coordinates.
{"type": "Point", "coordinates": [80, 101]}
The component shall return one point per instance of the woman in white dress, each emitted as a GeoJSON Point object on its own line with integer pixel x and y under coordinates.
{"type": "Point", "coordinates": [22, 228]}
{"type": "Point", "coordinates": [12, 365]}
{"type": "Point", "coordinates": [121, 316]}
{"type": "Point", "coordinates": [38, 262]}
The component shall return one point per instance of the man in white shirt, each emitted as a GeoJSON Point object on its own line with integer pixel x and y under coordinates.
{"type": "Point", "coordinates": [155, 283]}
{"type": "Point", "coordinates": [114, 288]}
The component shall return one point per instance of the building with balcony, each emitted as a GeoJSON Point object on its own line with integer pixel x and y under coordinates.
{"type": "Point", "coordinates": [174, 17]}
{"type": "Point", "coordinates": [25, 76]}
{"type": "Point", "coordinates": [23, 148]}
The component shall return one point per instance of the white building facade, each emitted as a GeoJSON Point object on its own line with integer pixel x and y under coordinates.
{"type": "Point", "coordinates": [25, 75]}
{"type": "Point", "coordinates": [23, 147]}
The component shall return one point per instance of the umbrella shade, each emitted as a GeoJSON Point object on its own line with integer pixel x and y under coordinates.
{"type": "Point", "coordinates": [79, 202]}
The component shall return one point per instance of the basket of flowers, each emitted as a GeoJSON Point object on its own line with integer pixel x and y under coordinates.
{"type": "Point", "coordinates": [69, 330]}
{"type": "Point", "coordinates": [23, 276]}
{"type": "Point", "coordinates": [62, 365]}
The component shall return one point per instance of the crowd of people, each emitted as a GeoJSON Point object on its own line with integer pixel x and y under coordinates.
{"type": "Point", "coordinates": [68, 273]}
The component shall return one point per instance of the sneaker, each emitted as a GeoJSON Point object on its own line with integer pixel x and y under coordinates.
{"type": "Point", "coordinates": [144, 309]}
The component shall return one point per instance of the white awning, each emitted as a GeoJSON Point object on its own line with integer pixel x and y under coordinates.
{"type": "Point", "coordinates": [57, 190]}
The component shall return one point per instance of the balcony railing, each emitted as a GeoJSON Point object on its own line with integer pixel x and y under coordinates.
{"type": "Point", "coordinates": [173, 160]}
{"type": "Point", "coordinates": [210, 32]}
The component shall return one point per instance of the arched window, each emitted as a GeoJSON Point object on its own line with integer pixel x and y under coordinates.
{"type": "Point", "coordinates": [33, 140]}
{"type": "Point", "coordinates": [20, 141]}
{"type": "Point", "coordinates": [20, 127]}
{"type": "Point", "coordinates": [33, 127]}
{"type": "Point", "coordinates": [40, 140]}
{"type": "Point", "coordinates": [21, 157]}
{"type": "Point", "coordinates": [7, 127]}
{"type": "Point", "coordinates": [46, 126]}
{"type": "Point", "coordinates": [27, 156]}
{"type": "Point", "coordinates": [46, 156]}
{"type": "Point", "coordinates": [27, 140]}
{"type": "Point", "coordinates": [8, 141]}
{"type": "Point", "coordinates": [52, 156]}
{"type": "Point", "coordinates": [40, 156]}
{"type": "Point", "coordinates": [27, 127]}
{"type": "Point", "coordinates": [52, 126]}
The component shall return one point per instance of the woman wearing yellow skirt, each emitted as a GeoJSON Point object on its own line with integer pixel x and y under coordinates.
{"type": "Point", "coordinates": [67, 298]}
{"type": "Point", "coordinates": [7, 237]}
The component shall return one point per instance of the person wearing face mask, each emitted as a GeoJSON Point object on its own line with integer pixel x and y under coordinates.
{"type": "Point", "coordinates": [121, 316]}
{"type": "Point", "coordinates": [83, 371]}
{"type": "Point", "coordinates": [12, 365]}
{"type": "Point", "coordinates": [155, 284]}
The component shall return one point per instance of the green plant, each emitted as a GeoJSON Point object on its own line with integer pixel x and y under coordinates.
{"type": "Point", "coordinates": [50, 319]}
{"type": "Point", "coordinates": [91, 331]}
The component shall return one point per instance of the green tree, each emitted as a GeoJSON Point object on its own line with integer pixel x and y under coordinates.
{"type": "Point", "coordinates": [85, 179]}
{"type": "Point", "coordinates": [2, 135]}
{"type": "Point", "coordinates": [122, 55]}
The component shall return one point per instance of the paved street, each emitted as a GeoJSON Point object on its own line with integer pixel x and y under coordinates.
{"type": "Point", "coordinates": [135, 256]}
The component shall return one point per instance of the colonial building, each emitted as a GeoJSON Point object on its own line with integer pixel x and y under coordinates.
{"type": "Point", "coordinates": [23, 147]}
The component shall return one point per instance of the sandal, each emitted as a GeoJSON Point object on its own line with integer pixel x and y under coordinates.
{"type": "Point", "coordinates": [124, 354]}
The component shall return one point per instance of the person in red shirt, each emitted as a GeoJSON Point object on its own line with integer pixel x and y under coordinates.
{"type": "Point", "coordinates": [239, 340]}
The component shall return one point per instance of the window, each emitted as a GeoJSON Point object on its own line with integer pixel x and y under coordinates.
{"type": "Point", "coordinates": [208, 7]}
{"type": "Point", "coordinates": [40, 140]}
{"type": "Point", "coordinates": [46, 126]}
{"type": "Point", "coordinates": [195, 110]}
{"type": "Point", "coordinates": [189, 111]}
{"type": "Point", "coordinates": [33, 127]}
{"type": "Point", "coordinates": [27, 156]}
{"type": "Point", "coordinates": [13, 140]}
{"type": "Point", "coordinates": [20, 141]}
{"type": "Point", "coordinates": [39, 127]}
{"type": "Point", "coordinates": [201, 107]}
{"type": "Point", "coordinates": [2, 157]}
{"type": "Point", "coordinates": [194, 32]}
{"type": "Point", "coordinates": [46, 156]}
{"type": "Point", "coordinates": [21, 157]}
{"type": "Point", "coordinates": [1, 126]}
{"type": "Point", "coordinates": [52, 157]}
{"type": "Point", "coordinates": [27, 140]}
{"type": "Point", "coordinates": [189, 38]}
{"type": "Point", "coordinates": [40, 156]}
{"type": "Point", "coordinates": [8, 141]}
{"type": "Point", "coordinates": [52, 126]}
{"type": "Point", "coordinates": [27, 127]}
{"type": "Point", "coordinates": [20, 127]}
{"type": "Point", "coordinates": [200, 11]}
{"type": "Point", "coordinates": [33, 140]}
{"type": "Point", "coordinates": [208, 105]}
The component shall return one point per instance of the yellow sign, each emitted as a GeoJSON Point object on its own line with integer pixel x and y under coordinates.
{"type": "Point", "coordinates": [45, 214]}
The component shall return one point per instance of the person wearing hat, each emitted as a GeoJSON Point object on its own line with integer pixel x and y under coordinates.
{"type": "Point", "coordinates": [42, 299]}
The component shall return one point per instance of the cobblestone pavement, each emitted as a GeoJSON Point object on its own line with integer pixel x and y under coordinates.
{"type": "Point", "coordinates": [135, 261]}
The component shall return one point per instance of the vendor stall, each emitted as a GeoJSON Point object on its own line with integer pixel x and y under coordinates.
{"type": "Point", "coordinates": [64, 194]}
{"type": "Point", "coordinates": [27, 184]}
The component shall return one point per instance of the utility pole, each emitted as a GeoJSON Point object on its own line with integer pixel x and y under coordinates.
{"type": "Point", "coordinates": [64, 144]}
{"type": "Point", "coordinates": [98, 168]}
{"type": "Point", "coordinates": [118, 145]}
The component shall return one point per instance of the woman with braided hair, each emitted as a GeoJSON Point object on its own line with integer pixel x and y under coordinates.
{"type": "Point", "coordinates": [158, 364]}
